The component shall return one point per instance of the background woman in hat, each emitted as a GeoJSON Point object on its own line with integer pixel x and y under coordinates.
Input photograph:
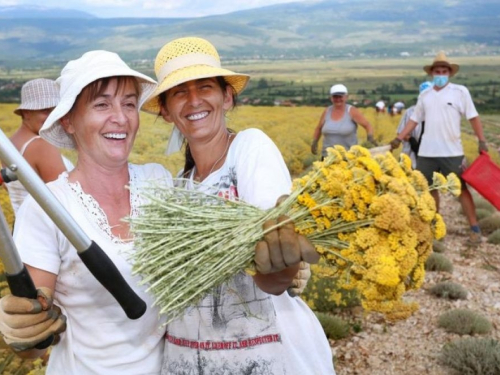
{"type": "Point", "coordinates": [338, 123]}
{"type": "Point", "coordinates": [38, 99]}
{"type": "Point", "coordinates": [442, 108]}
{"type": "Point", "coordinates": [251, 323]}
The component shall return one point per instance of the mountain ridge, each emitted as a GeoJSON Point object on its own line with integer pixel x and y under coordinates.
{"type": "Point", "coordinates": [333, 28]}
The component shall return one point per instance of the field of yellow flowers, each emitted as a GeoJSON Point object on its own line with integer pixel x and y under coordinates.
{"type": "Point", "coordinates": [291, 128]}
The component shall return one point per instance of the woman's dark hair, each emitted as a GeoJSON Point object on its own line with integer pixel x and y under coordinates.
{"type": "Point", "coordinates": [188, 157]}
{"type": "Point", "coordinates": [98, 87]}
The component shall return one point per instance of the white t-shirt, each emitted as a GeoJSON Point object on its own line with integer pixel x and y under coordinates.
{"type": "Point", "coordinates": [442, 111]}
{"type": "Point", "coordinates": [415, 134]}
{"type": "Point", "coordinates": [239, 329]}
{"type": "Point", "coordinates": [99, 338]}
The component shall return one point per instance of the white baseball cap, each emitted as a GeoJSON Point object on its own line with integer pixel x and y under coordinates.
{"type": "Point", "coordinates": [338, 90]}
{"type": "Point", "coordinates": [75, 76]}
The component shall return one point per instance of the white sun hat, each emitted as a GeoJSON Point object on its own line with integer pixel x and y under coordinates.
{"type": "Point", "coordinates": [75, 76]}
{"type": "Point", "coordinates": [38, 94]}
{"type": "Point", "coordinates": [338, 90]}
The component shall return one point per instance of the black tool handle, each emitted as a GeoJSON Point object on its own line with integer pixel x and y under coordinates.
{"type": "Point", "coordinates": [21, 285]}
{"type": "Point", "coordinates": [105, 271]}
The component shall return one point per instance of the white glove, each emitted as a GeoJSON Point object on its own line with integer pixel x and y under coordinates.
{"type": "Point", "coordinates": [26, 322]}
{"type": "Point", "coordinates": [300, 280]}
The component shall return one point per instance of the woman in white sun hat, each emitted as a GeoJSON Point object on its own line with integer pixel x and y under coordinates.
{"type": "Point", "coordinates": [250, 324]}
{"type": "Point", "coordinates": [338, 123]}
{"type": "Point", "coordinates": [38, 99]}
{"type": "Point", "coordinates": [98, 115]}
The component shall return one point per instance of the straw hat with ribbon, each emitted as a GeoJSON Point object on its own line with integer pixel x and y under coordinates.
{"type": "Point", "coordinates": [442, 60]}
{"type": "Point", "coordinates": [38, 94]}
{"type": "Point", "coordinates": [183, 60]}
{"type": "Point", "coordinates": [75, 76]}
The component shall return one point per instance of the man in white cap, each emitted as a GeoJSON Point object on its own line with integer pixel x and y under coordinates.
{"type": "Point", "coordinates": [442, 108]}
{"type": "Point", "coordinates": [38, 99]}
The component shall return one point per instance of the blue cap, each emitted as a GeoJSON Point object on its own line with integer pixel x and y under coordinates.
{"type": "Point", "coordinates": [424, 86]}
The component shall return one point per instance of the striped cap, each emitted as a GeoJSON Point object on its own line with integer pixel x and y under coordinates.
{"type": "Point", "coordinates": [38, 94]}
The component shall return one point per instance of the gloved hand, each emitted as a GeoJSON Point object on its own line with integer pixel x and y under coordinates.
{"type": "Point", "coordinates": [482, 146]}
{"type": "Point", "coordinates": [282, 248]}
{"type": "Point", "coordinates": [395, 143]}
{"type": "Point", "coordinates": [300, 280]}
{"type": "Point", "coordinates": [314, 146]}
{"type": "Point", "coordinates": [372, 140]}
{"type": "Point", "coordinates": [26, 322]}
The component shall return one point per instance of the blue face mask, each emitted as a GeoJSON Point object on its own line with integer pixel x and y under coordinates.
{"type": "Point", "coordinates": [440, 81]}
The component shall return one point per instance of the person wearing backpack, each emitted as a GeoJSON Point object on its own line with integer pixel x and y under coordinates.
{"type": "Point", "coordinates": [411, 142]}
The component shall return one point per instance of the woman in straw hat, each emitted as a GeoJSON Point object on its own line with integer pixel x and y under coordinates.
{"type": "Point", "coordinates": [339, 123]}
{"type": "Point", "coordinates": [38, 99]}
{"type": "Point", "coordinates": [98, 115]}
{"type": "Point", "coordinates": [252, 326]}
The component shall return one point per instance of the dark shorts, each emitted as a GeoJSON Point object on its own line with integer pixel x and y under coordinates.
{"type": "Point", "coordinates": [445, 166]}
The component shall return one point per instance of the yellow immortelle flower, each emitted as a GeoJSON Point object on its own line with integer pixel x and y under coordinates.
{"type": "Point", "coordinates": [372, 166]}
{"type": "Point", "coordinates": [390, 212]}
{"type": "Point", "coordinates": [438, 179]}
{"type": "Point", "coordinates": [405, 163]}
{"type": "Point", "coordinates": [439, 227]}
{"type": "Point", "coordinates": [367, 237]}
{"type": "Point", "coordinates": [385, 272]}
{"type": "Point", "coordinates": [419, 181]}
{"type": "Point", "coordinates": [348, 215]}
{"type": "Point", "coordinates": [306, 200]}
{"type": "Point", "coordinates": [372, 220]}
{"type": "Point", "coordinates": [359, 151]}
{"type": "Point", "coordinates": [426, 207]}
{"type": "Point", "coordinates": [454, 184]}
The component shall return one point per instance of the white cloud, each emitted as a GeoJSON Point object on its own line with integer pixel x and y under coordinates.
{"type": "Point", "coordinates": [8, 3]}
{"type": "Point", "coordinates": [114, 3]}
{"type": "Point", "coordinates": [152, 8]}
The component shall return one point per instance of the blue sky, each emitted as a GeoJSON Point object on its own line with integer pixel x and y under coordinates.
{"type": "Point", "coordinates": [152, 8]}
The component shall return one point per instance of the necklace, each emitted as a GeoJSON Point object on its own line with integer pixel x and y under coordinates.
{"type": "Point", "coordinates": [199, 177]}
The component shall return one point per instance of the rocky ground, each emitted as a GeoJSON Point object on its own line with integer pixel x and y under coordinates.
{"type": "Point", "coordinates": [413, 346]}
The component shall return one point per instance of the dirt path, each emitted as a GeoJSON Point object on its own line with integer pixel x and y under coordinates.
{"type": "Point", "coordinates": [413, 346]}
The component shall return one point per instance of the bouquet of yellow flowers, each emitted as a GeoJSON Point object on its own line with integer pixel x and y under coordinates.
{"type": "Point", "coordinates": [372, 219]}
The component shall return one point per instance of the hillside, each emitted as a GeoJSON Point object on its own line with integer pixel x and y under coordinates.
{"type": "Point", "coordinates": [328, 28]}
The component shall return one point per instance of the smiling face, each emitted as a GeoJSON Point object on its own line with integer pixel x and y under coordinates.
{"type": "Point", "coordinates": [104, 121]}
{"type": "Point", "coordinates": [197, 108]}
{"type": "Point", "coordinates": [338, 100]}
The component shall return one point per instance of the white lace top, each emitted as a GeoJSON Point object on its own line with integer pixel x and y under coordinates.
{"type": "Point", "coordinates": [95, 213]}
{"type": "Point", "coordinates": [99, 338]}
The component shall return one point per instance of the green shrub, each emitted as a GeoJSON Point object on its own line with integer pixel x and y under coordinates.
{"type": "Point", "coordinates": [449, 290]}
{"type": "Point", "coordinates": [322, 291]}
{"type": "Point", "coordinates": [494, 237]}
{"type": "Point", "coordinates": [482, 213]}
{"type": "Point", "coordinates": [438, 247]}
{"type": "Point", "coordinates": [464, 322]}
{"type": "Point", "coordinates": [335, 328]}
{"type": "Point", "coordinates": [438, 262]}
{"type": "Point", "coordinates": [483, 204]}
{"type": "Point", "coordinates": [490, 224]}
{"type": "Point", "coordinates": [472, 356]}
